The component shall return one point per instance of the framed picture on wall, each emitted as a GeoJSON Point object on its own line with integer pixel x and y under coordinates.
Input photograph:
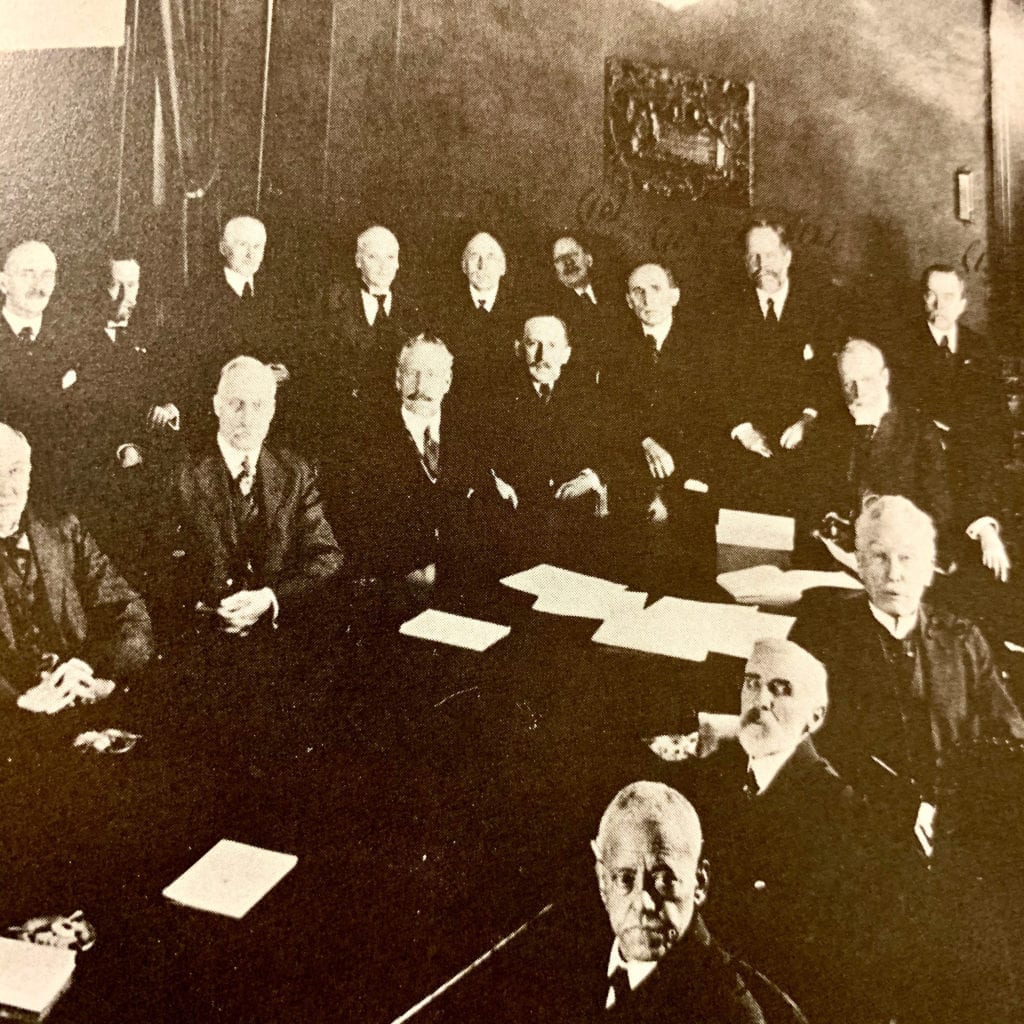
{"type": "Point", "coordinates": [676, 134]}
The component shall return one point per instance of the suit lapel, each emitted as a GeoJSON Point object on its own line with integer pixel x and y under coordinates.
{"type": "Point", "coordinates": [49, 564]}
{"type": "Point", "coordinates": [271, 477]}
{"type": "Point", "coordinates": [215, 481]}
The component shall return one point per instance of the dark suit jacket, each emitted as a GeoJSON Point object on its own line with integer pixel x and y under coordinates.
{"type": "Point", "coordinates": [905, 456]}
{"type": "Point", "coordinates": [965, 393]}
{"type": "Point", "coordinates": [97, 616]}
{"type": "Point", "coordinates": [954, 696]}
{"type": "Point", "coordinates": [768, 377]}
{"type": "Point", "coordinates": [662, 398]}
{"type": "Point", "coordinates": [393, 518]}
{"type": "Point", "coordinates": [597, 332]}
{"type": "Point", "coordinates": [301, 554]}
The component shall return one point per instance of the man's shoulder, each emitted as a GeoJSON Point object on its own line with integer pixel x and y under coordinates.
{"type": "Point", "coordinates": [938, 620]}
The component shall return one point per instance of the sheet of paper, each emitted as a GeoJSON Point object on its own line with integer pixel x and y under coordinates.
{"type": "Point", "coordinates": [552, 579]}
{"type": "Point", "coordinates": [768, 584]}
{"type": "Point", "coordinates": [755, 530]}
{"type": "Point", "coordinates": [33, 977]}
{"type": "Point", "coordinates": [743, 583]}
{"type": "Point", "coordinates": [590, 604]}
{"type": "Point", "coordinates": [806, 579]}
{"type": "Point", "coordinates": [653, 632]}
{"type": "Point", "coordinates": [456, 630]}
{"type": "Point", "coordinates": [230, 878]}
{"type": "Point", "coordinates": [722, 628]}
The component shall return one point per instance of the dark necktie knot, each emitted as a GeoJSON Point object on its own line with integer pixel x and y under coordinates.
{"type": "Point", "coordinates": [245, 477]}
{"type": "Point", "coordinates": [770, 315]}
{"type": "Point", "coordinates": [481, 304]}
{"type": "Point", "coordinates": [431, 452]}
{"type": "Point", "coordinates": [16, 555]}
{"type": "Point", "coordinates": [544, 391]}
{"type": "Point", "coordinates": [247, 290]}
{"type": "Point", "coordinates": [866, 432]}
{"type": "Point", "coordinates": [27, 335]}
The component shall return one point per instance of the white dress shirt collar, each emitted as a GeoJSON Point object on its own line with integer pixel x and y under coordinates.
{"type": "Point", "coordinates": [370, 305]}
{"type": "Point", "coordinates": [19, 323]}
{"type": "Point", "coordinates": [766, 768]}
{"type": "Point", "coordinates": [417, 426]}
{"type": "Point", "coordinates": [951, 336]}
{"type": "Point", "coordinates": [489, 297]}
{"type": "Point", "coordinates": [586, 292]}
{"type": "Point", "coordinates": [237, 282]}
{"type": "Point", "coordinates": [659, 332]}
{"type": "Point", "coordinates": [778, 299]}
{"type": "Point", "coordinates": [233, 458]}
{"type": "Point", "coordinates": [898, 628]}
{"type": "Point", "coordinates": [637, 970]}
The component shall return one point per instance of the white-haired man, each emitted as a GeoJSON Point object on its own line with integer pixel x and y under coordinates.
{"type": "Point", "coordinates": [249, 541]}
{"type": "Point", "coordinates": [653, 881]}
{"type": "Point", "coordinates": [70, 626]}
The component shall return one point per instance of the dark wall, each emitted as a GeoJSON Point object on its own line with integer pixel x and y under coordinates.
{"type": "Point", "coordinates": [445, 116]}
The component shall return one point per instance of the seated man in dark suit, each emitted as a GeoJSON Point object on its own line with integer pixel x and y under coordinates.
{"type": "Point", "coordinates": [774, 337]}
{"type": "Point", "coordinates": [548, 447]}
{"type": "Point", "coordinates": [249, 544]}
{"type": "Point", "coordinates": [70, 625]}
{"type": "Point", "coordinates": [912, 685]}
{"type": "Point", "coordinates": [664, 964]}
{"type": "Point", "coordinates": [877, 447]}
{"type": "Point", "coordinates": [40, 370]}
{"type": "Point", "coordinates": [952, 374]}
{"type": "Point", "coordinates": [787, 849]}
{"type": "Point", "coordinates": [413, 499]}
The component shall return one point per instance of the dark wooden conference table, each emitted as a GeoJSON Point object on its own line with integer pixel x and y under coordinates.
{"type": "Point", "coordinates": [436, 800]}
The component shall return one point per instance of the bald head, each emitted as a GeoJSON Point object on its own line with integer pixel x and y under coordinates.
{"type": "Point", "coordinates": [28, 279]}
{"type": "Point", "coordinates": [242, 245]}
{"type": "Point", "coordinates": [377, 258]}
{"type": "Point", "coordinates": [15, 472]}
{"type": "Point", "coordinates": [483, 262]}
{"type": "Point", "coordinates": [783, 700]}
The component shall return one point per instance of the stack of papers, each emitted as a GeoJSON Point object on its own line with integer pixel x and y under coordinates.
{"type": "Point", "coordinates": [230, 879]}
{"type": "Point", "coordinates": [563, 592]}
{"type": "Point", "coordinates": [32, 978]}
{"type": "Point", "coordinates": [455, 630]}
{"type": "Point", "coordinates": [755, 530]}
{"type": "Point", "coordinates": [692, 629]}
{"type": "Point", "coordinates": [768, 584]}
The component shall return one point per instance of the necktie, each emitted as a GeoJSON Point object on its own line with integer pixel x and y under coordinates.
{"type": "Point", "coordinates": [247, 290]}
{"type": "Point", "coordinates": [431, 452]}
{"type": "Point", "coordinates": [947, 352]}
{"type": "Point", "coordinates": [26, 335]}
{"type": "Point", "coordinates": [618, 981]}
{"type": "Point", "coordinates": [17, 557]}
{"type": "Point", "coordinates": [769, 316]}
{"type": "Point", "coordinates": [652, 346]}
{"type": "Point", "coordinates": [750, 787]}
{"type": "Point", "coordinates": [381, 315]}
{"type": "Point", "coordinates": [482, 305]}
{"type": "Point", "coordinates": [545, 393]}
{"type": "Point", "coordinates": [245, 480]}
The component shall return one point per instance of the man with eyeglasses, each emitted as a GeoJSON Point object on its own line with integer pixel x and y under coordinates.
{"type": "Point", "coordinates": [664, 964]}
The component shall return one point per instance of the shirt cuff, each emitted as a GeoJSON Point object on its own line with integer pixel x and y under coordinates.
{"type": "Point", "coordinates": [740, 429]}
{"type": "Point", "coordinates": [974, 530]}
{"type": "Point", "coordinates": [811, 414]}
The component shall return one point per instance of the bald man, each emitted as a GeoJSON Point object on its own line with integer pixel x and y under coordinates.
{"type": "Point", "coordinates": [69, 624]}
{"type": "Point", "coordinates": [481, 319]}
{"type": "Point", "coordinates": [247, 542]}
{"type": "Point", "coordinates": [654, 883]}
{"type": "Point", "coordinates": [41, 385]}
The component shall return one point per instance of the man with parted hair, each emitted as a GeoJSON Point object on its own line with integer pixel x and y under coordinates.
{"type": "Point", "coordinates": [70, 626]}
{"type": "Point", "coordinates": [246, 540]}
{"type": "Point", "coordinates": [952, 374]}
{"type": "Point", "coordinates": [409, 502]}
{"type": "Point", "coordinates": [913, 685]}
{"type": "Point", "coordinates": [664, 964]}
{"type": "Point", "coordinates": [773, 334]}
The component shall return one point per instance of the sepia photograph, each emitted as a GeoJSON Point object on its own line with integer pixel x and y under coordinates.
{"type": "Point", "coordinates": [510, 512]}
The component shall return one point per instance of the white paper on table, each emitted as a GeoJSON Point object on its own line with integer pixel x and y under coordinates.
{"type": "Point", "coordinates": [768, 584]}
{"type": "Point", "coordinates": [456, 630]}
{"type": "Point", "coordinates": [806, 579]}
{"type": "Point", "coordinates": [755, 530]}
{"type": "Point", "coordinates": [551, 579]}
{"type": "Point", "coordinates": [722, 628]}
{"type": "Point", "coordinates": [230, 878]}
{"type": "Point", "coordinates": [652, 634]}
{"type": "Point", "coordinates": [33, 978]}
{"type": "Point", "coordinates": [590, 604]}
{"type": "Point", "coordinates": [745, 585]}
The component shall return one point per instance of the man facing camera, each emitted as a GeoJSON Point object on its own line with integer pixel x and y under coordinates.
{"type": "Point", "coordinates": [250, 542]}
{"type": "Point", "coordinates": [70, 626]}
{"type": "Point", "coordinates": [664, 964]}
{"type": "Point", "coordinates": [912, 684]}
